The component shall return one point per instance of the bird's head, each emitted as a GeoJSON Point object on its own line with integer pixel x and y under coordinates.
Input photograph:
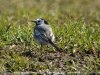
{"type": "Point", "coordinates": [40, 21]}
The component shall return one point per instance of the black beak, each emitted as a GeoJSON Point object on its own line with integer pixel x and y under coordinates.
{"type": "Point", "coordinates": [33, 21]}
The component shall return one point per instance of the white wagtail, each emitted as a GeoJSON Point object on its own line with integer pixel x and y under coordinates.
{"type": "Point", "coordinates": [43, 33]}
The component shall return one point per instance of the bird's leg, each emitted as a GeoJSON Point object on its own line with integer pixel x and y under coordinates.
{"type": "Point", "coordinates": [41, 46]}
{"type": "Point", "coordinates": [47, 46]}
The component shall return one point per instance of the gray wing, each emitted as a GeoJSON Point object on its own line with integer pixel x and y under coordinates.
{"type": "Point", "coordinates": [40, 34]}
{"type": "Point", "coordinates": [46, 31]}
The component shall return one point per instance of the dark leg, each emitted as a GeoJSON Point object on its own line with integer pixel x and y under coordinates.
{"type": "Point", "coordinates": [41, 46]}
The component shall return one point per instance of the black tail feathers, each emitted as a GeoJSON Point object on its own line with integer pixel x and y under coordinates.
{"type": "Point", "coordinates": [54, 45]}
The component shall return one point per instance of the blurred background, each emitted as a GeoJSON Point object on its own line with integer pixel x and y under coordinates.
{"type": "Point", "coordinates": [52, 8]}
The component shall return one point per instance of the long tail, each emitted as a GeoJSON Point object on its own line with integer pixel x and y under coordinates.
{"type": "Point", "coordinates": [54, 45]}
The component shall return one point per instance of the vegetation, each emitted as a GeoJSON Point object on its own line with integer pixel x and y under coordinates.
{"type": "Point", "coordinates": [76, 25]}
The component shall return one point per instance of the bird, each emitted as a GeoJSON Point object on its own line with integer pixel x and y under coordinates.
{"type": "Point", "coordinates": [43, 33]}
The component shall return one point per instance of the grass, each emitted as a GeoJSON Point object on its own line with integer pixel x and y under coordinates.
{"type": "Point", "coordinates": [76, 25]}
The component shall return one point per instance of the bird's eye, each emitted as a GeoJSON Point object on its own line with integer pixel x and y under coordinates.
{"type": "Point", "coordinates": [38, 21]}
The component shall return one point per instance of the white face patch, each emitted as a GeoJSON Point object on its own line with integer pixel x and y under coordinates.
{"type": "Point", "coordinates": [40, 21]}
